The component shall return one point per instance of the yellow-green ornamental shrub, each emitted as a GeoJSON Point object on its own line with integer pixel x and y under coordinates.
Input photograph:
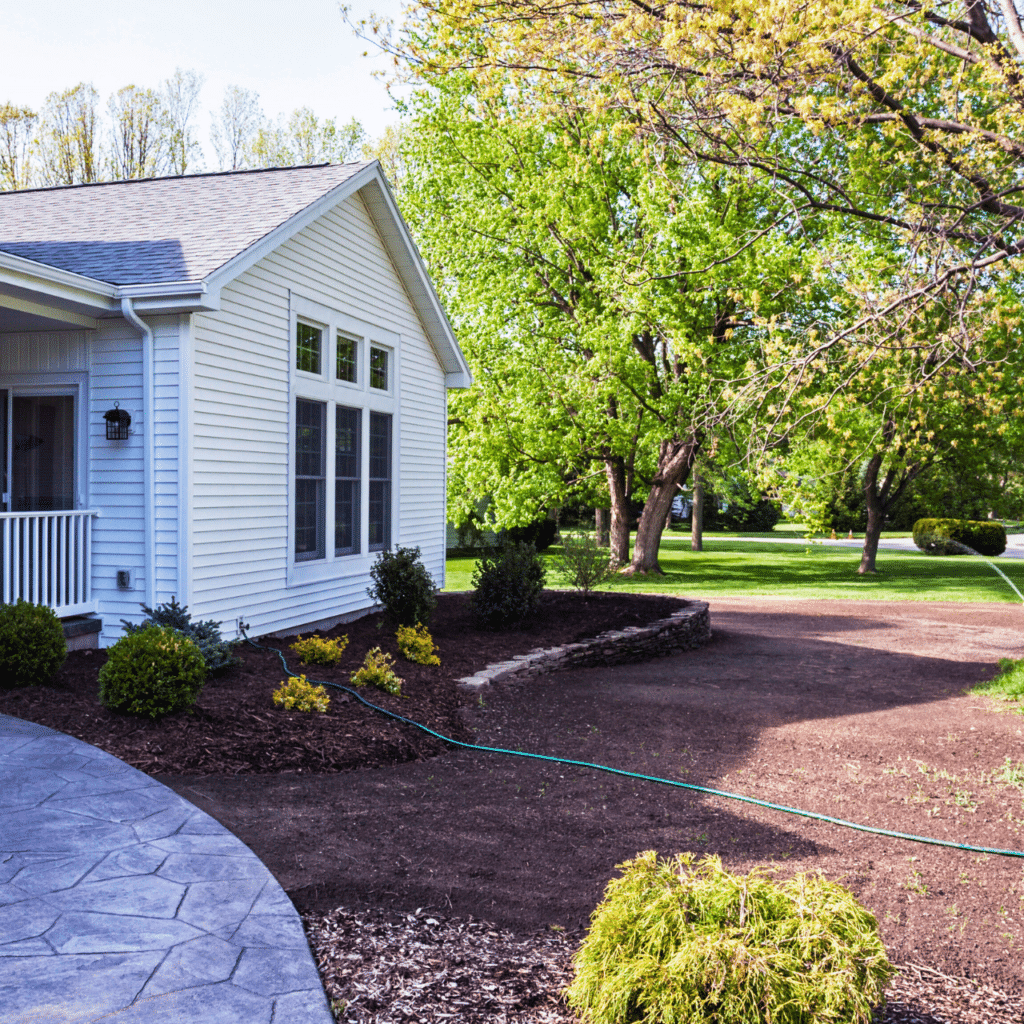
{"type": "Point", "coordinates": [32, 645]}
{"type": "Point", "coordinates": [299, 694]}
{"type": "Point", "coordinates": [417, 645]}
{"type": "Point", "coordinates": [318, 650]}
{"type": "Point", "coordinates": [152, 672]}
{"type": "Point", "coordinates": [683, 943]}
{"type": "Point", "coordinates": [379, 670]}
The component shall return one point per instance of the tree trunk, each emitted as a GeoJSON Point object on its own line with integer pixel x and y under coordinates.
{"type": "Point", "coordinates": [619, 530]}
{"type": "Point", "coordinates": [600, 528]}
{"type": "Point", "coordinates": [675, 459]}
{"type": "Point", "coordinates": [697, 513]}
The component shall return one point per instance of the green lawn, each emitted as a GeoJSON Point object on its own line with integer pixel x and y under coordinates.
{"type": "Point", "coordinates": [741, 567]}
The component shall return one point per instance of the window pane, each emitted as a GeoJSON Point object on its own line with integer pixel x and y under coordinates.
{"type": "Point", "coordinates": [378, 368]}
{"type": "Point", "coordinates": [346, 483]}
{"type": "Point", "coordinates": [307, 348]}
{"type": "Point", "coordinates": [346, 369]}
{"type": "Point", "coordinates": [380, 481]}
{"type": "Point", "coordinates": [310, 479]}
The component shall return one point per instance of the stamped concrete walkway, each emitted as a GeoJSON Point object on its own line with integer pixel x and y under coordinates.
{"type": "Point", "coordinates": [121, 902]}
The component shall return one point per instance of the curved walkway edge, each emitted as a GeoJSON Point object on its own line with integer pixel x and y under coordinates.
{"type": "Point", "coordinates": [122, 902]}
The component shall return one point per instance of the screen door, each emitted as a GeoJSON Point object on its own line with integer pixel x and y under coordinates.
{"type": "Point", "coordinates": [42, 453]}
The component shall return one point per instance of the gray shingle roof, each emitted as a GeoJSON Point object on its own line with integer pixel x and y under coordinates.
{"type": "Point", "coordinates": [159, 230]}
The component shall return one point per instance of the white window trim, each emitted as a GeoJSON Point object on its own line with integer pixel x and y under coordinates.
{"type": "Point", "coordinates": [326, 388]}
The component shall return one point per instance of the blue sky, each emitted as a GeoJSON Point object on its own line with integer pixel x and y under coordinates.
{"type": "Point", "coordinates": [293, 53]}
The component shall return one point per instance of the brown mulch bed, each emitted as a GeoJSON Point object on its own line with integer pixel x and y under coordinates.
{"type": "Point", "coordinates": [236, 729]}
{"type": "Point", "coordinates": [853, 709]}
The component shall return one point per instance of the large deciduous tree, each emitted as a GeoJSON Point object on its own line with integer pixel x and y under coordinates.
{"type": "Point", "coordinates": [68, 145]}
{"type": "Point", "coordinates": [605, 293]}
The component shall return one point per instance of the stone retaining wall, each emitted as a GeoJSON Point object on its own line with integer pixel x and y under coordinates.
{"type": "Point", "coordinates": [683, 630]}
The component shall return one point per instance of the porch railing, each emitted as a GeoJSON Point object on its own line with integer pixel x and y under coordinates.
{"type": "Point", "coordinates": [46, 558]}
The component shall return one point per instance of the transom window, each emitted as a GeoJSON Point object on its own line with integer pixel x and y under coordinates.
{"type": "Point", "coordinates": [348, 353]}
{"type": "Point", "coordinates": [378, 368]}
{"type": "Point", "coordinates": [344, 389]}
{"type": "Point", "coordinates": [308, 342]}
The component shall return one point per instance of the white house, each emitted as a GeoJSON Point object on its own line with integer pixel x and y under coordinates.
{"type": "Point", "coordinates": [249, 324]}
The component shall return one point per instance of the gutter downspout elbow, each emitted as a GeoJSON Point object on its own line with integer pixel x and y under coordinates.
{"type": "Point", "coordinates": [149, 444]}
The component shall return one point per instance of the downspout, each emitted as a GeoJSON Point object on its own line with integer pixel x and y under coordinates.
{"type": "Point", "coordinates": [149, 438]}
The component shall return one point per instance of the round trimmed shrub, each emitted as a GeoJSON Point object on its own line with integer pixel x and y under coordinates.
{"type": "Point", "coordinates": [32, 645]}
{"type": "Point", "coordinates": [403, 586]}
{"type": "Point", "coordinates": [959, 537]}
{"type": "Point", "coordinates": [673, 941]}
{"type": "Point", "coordinates": [152, 672]}
{"type": "Point", "coordinates": [507, 584]}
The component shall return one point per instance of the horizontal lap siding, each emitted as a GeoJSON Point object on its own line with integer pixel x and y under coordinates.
{"type": "Point", "coordinates": [116, 474]}
{"type": "Point", "coordinates": [240, 442]}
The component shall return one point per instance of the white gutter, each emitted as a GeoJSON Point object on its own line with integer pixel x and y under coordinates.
{"type": "Point", "coordinates": [149, 439]}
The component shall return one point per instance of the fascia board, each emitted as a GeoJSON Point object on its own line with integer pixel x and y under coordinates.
{"type": "Point", "coordinates": [171, 297]}
{"type": "Point", "coordinates": [63, 286]}
{"type": "Point", "coordinates": [410, 266]}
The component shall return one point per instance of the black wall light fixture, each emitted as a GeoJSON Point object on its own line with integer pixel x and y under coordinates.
{"type": "Point", "coordinates": [118, 422]}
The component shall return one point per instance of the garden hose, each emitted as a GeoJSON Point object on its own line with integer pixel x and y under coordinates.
{"type": "Point", "coordinates": [645, 778]}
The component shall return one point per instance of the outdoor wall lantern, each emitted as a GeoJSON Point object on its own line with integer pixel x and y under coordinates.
{"type": "Point", "coordinates": [118, 422]}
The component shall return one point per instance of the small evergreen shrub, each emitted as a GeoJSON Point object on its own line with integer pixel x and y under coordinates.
{"type": "Point", "coordinates": [379, 670]}
{"type": "Point", "coordinates": [417, 645]}
{"type": "Point", "coordinates": [299, 694]}
{"type": "Point", "coordinates": [674, 942]}
{"type": "Point", "coordinates": [32, 645]}
{"type": "Point", "coordinates": [403, 586]}
{"type": "Point", "coordinates": [507, 584]}
{"type": "Point", "coordinates": [217, 652]}
{"type": "Point", "coordinates": [956, 536]}
{"type": "Point", "coordinates": [152, 672]}
{"type": "Point", "coordinates": [583, 563]}
{"type": "Point", "coordinates": [319, 650]}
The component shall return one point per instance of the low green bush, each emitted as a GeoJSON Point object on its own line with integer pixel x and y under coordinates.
{"type": "Point", "coordinates": [417, 645]}
{"type": "Point", "coordinates": [319, 650]}
{"type": "Point", "coordinates": [378, 669]}
{"type": "Point", "coordinates": [507, 584]}
{"type": "Point", "coordinates": [152, 672]}
{"type": "Point", "coordinates": [959, 537]}
{"type": "Point", "coordinates": [299, 694]}
{"type": "Point", "coordinates": [683, 943]}
{"type": "Point", "coordinates": [403, 586]}
{"type": "Point", "coordinates": [32, 645]}
{"type": "Point", "coordinates": [218, 653]}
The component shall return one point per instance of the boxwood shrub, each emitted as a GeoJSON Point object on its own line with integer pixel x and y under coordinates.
{"type": "Point", "coordinates": [152, 672]}
{"type": "Point", "coordinates": [403, 586]}
{"type": "Point", "coordinates": [959, 537]}
{"type": "Point", "coordinates": [32, 645]}
{"type": "Point", "coordinates": [507, 584]}
{"type": "Point", "coordinates": [683, 943]}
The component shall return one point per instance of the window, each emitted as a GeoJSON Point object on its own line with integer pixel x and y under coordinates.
{"type": "Point", "coordinates": [347, 437]}
{"type": "Point", "coordinates": [310, 479]}
{"type": "Point", "coordinates": [344, 434]}
{"type": "Point", "coordinates": [380, 481]}
{"type": "Point", "coordinates": [378, 368]}
{"type": "Point", "coordinates": [308, 341]}
{"type": "Point", "coordinates": [348, 351]}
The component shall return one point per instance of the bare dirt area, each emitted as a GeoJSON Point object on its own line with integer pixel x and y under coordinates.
{"type": "Point", "coordinates": [851, 709]}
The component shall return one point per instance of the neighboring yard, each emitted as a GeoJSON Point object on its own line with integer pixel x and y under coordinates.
{"type": "Point", "coordinates": [733, 566]}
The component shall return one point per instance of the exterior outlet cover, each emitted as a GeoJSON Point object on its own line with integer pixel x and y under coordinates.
{"type": "Point", "coordinates": [124, 579]}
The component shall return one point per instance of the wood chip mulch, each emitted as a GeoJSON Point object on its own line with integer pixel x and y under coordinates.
{"type": "Point", "coordinates": [424, 967]}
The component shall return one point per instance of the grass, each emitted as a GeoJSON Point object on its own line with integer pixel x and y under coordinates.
{"type": "Point", "coordinates": [1008, 685]}
{"type": "Point", "coordinates": [730, 566]}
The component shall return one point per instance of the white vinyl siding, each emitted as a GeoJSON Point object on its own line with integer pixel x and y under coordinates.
{"type": "Point", "coordinates": [242, 421]}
